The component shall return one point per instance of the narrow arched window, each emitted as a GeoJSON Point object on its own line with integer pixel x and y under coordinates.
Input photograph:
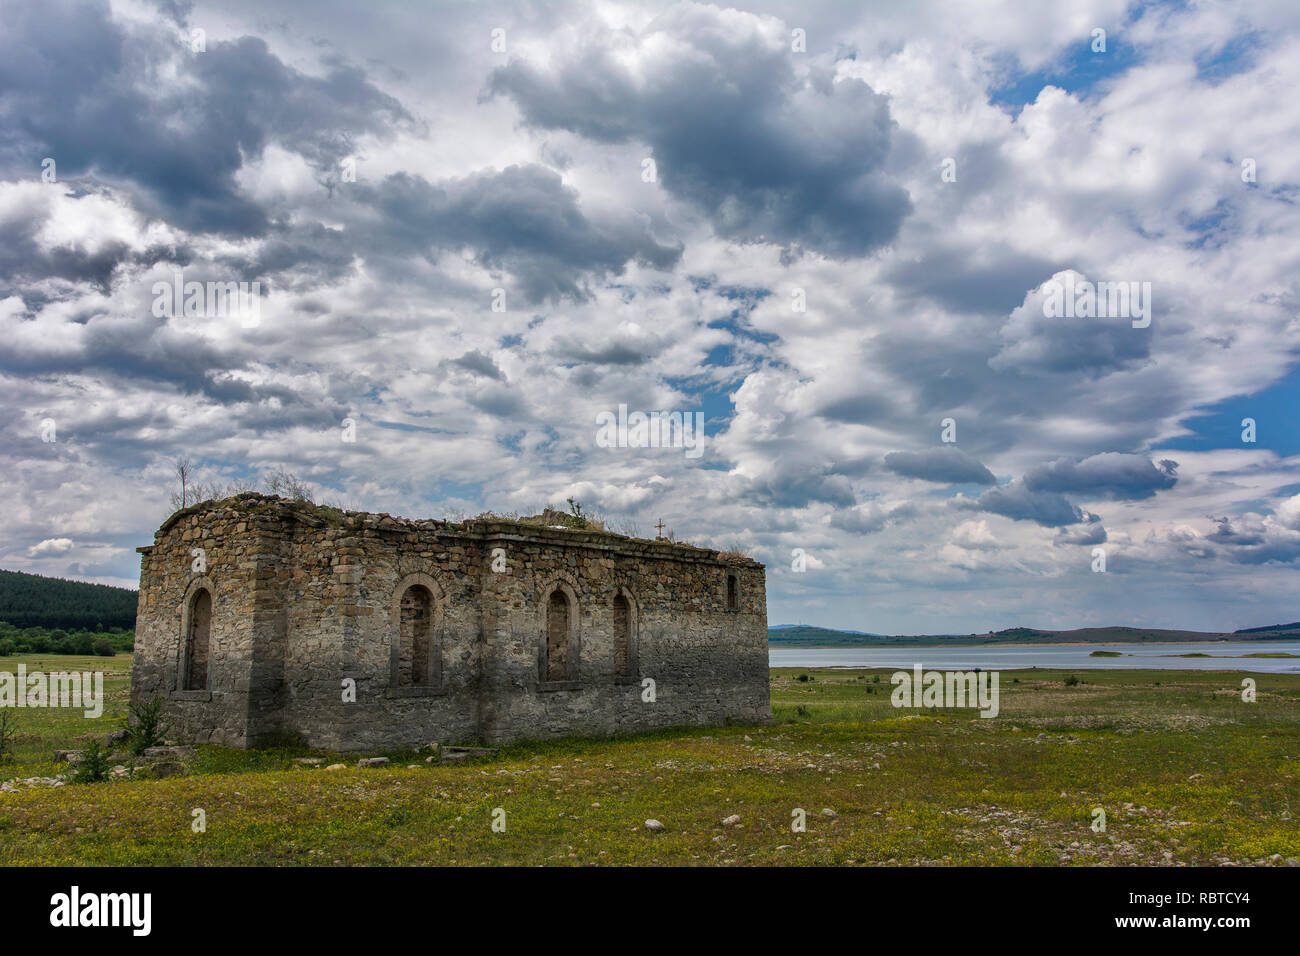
{"type": "Point", "coordinates": [197, 640]}
{"type": "Point", "coordinates": [557, 636]}
{"type": "Point", "coordinates": [733, 593]}
{"type": "Point", "coordinates": [415, 639]}
{"type": "Point", "coordinates": [622, 636]}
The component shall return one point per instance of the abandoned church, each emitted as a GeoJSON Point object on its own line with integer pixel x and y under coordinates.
{"type": "Point", "coordinates": [265, 620]}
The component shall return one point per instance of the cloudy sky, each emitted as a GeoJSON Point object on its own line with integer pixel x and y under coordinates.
{"type": "Point", "coordinates": [827, 227]}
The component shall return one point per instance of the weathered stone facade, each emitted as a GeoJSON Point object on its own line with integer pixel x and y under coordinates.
{"type": "Point", "coordinates": [257, 613]}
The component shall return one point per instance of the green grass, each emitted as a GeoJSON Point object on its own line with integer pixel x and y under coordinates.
{"type": "Point", "coordinates": [1185, 771]}
{"type": "Point", "coordinates": [40, 732]}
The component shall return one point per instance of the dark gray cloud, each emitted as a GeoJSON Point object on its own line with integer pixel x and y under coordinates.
{"type": "Point", "coordinates": [794, 484]}
{"type": "Point", "coordinates": [1088, 534]}
{"type": "Point", "coordinates": [870, 518]}
{"type": "Point", "coordinates": [1016, 501]}
{"type": "Point", "coordinates": [621, 347]}
{"type": "Point", "coordinates": [948, 465]}
{"type": "Point", "coordinates": [25, 260]}
{"type": "Point", "coordinates": [1237, 533]}
{"type": "Point", "coordinates": [522, 220]}
{"type": "Point", "coordinates": [480, 364]}
{"type": "Point", "coordinates": [995, 281]}
{"type": "Point", "coordinates": [1274, 552]}
{"type": "Point", "coordinates": [499, 401]}
{"type": "Point", "coordinates": [1036, 345]}
{"type": "Point", "coordinates": [101, 99]}
{"type": "Point", "coordinates": [767, 153]}
{"type": "Point", "coordinates": [1248, 539]}
{"type": "Point", "coordinates": [145, 351]}
{"type": "Point", "coordinates": [862, 409]}
{"type": "Point", "coordinates": [1112, 475]}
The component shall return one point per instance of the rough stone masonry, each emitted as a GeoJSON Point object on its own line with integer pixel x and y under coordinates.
{"type": "Point", "coordinates": [264, 620]}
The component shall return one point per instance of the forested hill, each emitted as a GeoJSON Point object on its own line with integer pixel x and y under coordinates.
{"type": "Point", "coordinates": [32, 600]}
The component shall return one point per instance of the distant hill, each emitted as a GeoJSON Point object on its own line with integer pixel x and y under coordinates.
{"type": "Point", "coordinates": [33, 600]}
{"type": "Point", "coordinates": [1290, 630]}
{"type": "Point", "coordinates": [804, 636]}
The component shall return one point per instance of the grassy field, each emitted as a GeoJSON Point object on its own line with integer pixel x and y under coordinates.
{"type": "Point", "coordinates": [1185, 771]}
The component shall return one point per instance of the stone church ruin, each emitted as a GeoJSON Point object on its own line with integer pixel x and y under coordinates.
{"type": "Point", "coordinates": [264, 620]}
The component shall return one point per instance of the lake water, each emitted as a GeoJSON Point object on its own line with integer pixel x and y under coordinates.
{"type": "Point", "coordinates": [1224, 656]}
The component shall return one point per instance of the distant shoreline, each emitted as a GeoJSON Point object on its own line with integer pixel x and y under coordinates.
{"type": "Point", "coordinates": [856, 647]}
{"type": "Point", "coordinates": [804, 636]}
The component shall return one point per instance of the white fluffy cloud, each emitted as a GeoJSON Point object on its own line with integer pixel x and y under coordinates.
{"type": "Point", "coordinates": [784, 179]}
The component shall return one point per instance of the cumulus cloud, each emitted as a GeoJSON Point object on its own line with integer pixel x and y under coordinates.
{"type": "Point", "coordinates": [975, 536]}
{"type": "Point", "coordinates": [1015, 500]}
{"type": "Point", "coordinates": [50, 546]}
{"type": "Point", "coordinates": [1087, 534]}
{"type": "Point", "coordinates": [1288, 513]}
{"type": "Point", "coordinates": [522, 220]}
{"type": "Point", "coordinates": [89, 91]}
{"type": "Point", "coordinates": [783, 177]}
{"type": "Point", "coordinates": [1031, 343]}
{"type": "Point", "coordinates": [1108, 475]}
{"type": "Point", "coordinates": [766, 149]}
{"type": "Point", "coordinates": [950, 465]}
{"type": "Point", "coordinates": [871, 517]}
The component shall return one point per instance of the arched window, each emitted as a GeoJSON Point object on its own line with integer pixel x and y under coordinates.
{"type": "Point", "coordinates": [622, 636]}
{"type": "Point", "coordinates": [733, 592]}
{"type": "Point", "coordinates": [415, 638]}
{"type": "Point", "coordinates": [557, 636]}
{"type": "Point", "coordinates": [197, 640]}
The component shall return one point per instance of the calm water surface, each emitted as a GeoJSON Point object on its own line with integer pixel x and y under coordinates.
{"type": "Point", "coordinates": [1224, 655]}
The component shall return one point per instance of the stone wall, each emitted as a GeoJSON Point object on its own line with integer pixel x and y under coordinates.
{"type": "Point", "coordinates": [305, 599]}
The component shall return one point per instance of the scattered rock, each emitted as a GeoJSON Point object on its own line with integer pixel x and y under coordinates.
{"type": "Point", "coordinates": [19, 783]}
{"type": "Point", "coordinates": [310, 761]}
{"type": "Point", "coordinates": [170, 752]}
{"type": "Point", "coordinates": [828, 812]}
{"type": "Point", "coordinates": [654, 825]}
{"type": "Point", "coordinates": [372, 762]}
{"type": "Point", "coordinates": [466, 753]}
{"type": "Point", "coordinates": [732, 820]}
{"type": "Point", "coordinates": [337, 766]}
